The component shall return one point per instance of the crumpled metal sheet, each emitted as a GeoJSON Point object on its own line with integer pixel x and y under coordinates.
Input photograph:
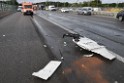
{"type": "Point", "coordinates": [48, 70]}
{"type": "Point", "coordinates": [93, 46]}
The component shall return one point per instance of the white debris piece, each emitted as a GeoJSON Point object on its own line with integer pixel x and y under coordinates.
{"type": "Point", "coordinates": [92, 46]}
{"type": "Point", "coordinates": [48, 70]}
{"type": "Point", "coordinates": [65, 44]}
{"type": "Point", "coordinates": [4, 35]}
{"type": "Point", "coordinates": [88, 55]}
{"type": "Point", "coordinates": [116, 82]}
{"type": "Point", "coordinates": [45, 46]}
{"type": "Point", "coordinates": [62, 58]}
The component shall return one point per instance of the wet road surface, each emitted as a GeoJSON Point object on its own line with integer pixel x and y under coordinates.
{"type": "Point", "coordinates": [76, 67]}
{"type": "Point", "coordinates": [23, 52]}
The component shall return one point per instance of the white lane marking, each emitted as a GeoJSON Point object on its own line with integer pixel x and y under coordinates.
{"type": "Point", "coordinates": [120, 58]}
{"type": "Point", "coordinates": [56, 23]}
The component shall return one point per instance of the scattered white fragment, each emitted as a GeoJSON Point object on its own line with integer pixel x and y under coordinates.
{"type": "Point", "coordinates": [92, 46]}
{"type": "Point", "coordinates": [88, 55]}
{"type": "Point", "coordinates": [4, 35]}
{"type": "Point", "coordinates": [65, 44]}
{"type": "Point", "coordinates": [48, 70]}
{"type": "Point", "coordinates": [63, 72]}
{"type": "Point", "coordinates": [62, 58]}
{"type": "Point", "coordinates": [45, 46]}
{"type": "Point", "coordinates": [116, 82]}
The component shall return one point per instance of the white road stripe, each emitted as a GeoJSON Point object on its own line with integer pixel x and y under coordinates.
{"type": "Point", "coordinates": [56, 23]}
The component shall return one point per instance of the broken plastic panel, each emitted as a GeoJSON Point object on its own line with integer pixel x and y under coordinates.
{"type": "Point", "coordinates": [92, 46]}
{"type": "Point", "coordinates": [48, 70]}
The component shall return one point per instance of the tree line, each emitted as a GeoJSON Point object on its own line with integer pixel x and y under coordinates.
{"type": "Point", "coordinates": [94, 3]}
{"type": "Point", "coordinates": [10, 2]}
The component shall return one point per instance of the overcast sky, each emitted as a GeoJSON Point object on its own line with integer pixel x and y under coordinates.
{"type": "Point", "coordinates": [104, 1]}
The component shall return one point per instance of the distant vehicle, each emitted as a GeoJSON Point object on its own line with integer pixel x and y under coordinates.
{"type": "Point", "coordinates": [96, 9]}
{"type": "Point", "coordinates": [70, 9]}
{"type": "Point", "coordinates": [84, 11]}
{"type": "Point", "coordinates": [42, 7]}
{"type": "Point", "coordinates": [120, 15]}
{"type": "Point", "coordinates": [88, 8]}
{"type": "Point", "coordinates": [52, 8]}
{"type": "Point", "coordinates": [27, 8]}
{"type": "Point", "coordinates": [19, 9]}
{"type": "Point", "coordinates": [64, 10]}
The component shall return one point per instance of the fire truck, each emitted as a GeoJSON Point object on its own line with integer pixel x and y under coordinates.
{"type": "Point", "coordinates": [27, 8]}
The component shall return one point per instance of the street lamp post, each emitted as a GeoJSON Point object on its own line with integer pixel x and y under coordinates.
{"type": "Point", "coordinates": [46, 2]}
{"type": "Point", "coordinates": [89, 3]}
{"type": "Point", "coordinates": [1, 5]}
{"type": "Point", "coordinates": [117, 4]}
{"type": "Point", "coordinates": [97, 3]}
{"type": "Point", "coordinates": [57, 4]}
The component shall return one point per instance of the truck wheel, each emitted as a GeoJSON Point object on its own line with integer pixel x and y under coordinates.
{"type": "Point", "coordinates": [32, 14]}
{"type": "Point", "coordinates": [120, 18]}
{"type": "Point", "coordinates": [24, 14]}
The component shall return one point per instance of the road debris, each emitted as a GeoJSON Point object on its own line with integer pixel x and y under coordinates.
{"type": "Point", "coordinates": [62, 58]}
{"type": "Point", "coordinates": [45, 46]}
{"type": "Point", "coordinates": [88, 55]}
{"type": "Point", "coordinates": [48, 70]}
{"type": "Point", "coordinates": [4, 35]}
{"type": "Point", "coordinates": [65, 44]}
{"type": "Point", "coordinates": [91, 45]}
{"type": "Point", "coordinates": [116, 82]}
{"type": "Point", "coordinates": [63, 72]}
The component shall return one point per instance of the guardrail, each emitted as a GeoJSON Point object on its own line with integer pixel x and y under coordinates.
{"type": "Point", "coordinates": [6, 9]}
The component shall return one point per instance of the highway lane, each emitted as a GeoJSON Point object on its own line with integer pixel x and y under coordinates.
{"type": "Point", "coordinates": [22, 51]}
{"type": "Point", "coordinates": [106, 31]}
{"type": "Point", "coordinates": [76, 67]}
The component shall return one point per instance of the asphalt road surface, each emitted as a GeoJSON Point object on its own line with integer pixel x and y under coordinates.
{"type": "Point", "coordinates": [106, 31]}
{"type": "Point", "coordinates": [22, 51]}
{"type": "Point", "coordinates": [22, 48]}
